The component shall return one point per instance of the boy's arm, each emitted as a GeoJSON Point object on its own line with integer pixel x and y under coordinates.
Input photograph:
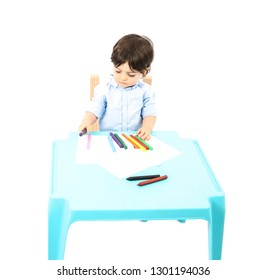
{"type": "Point", "coordinates": [147, 126]}
{"type": "Point", "coordinates": [88, 119]}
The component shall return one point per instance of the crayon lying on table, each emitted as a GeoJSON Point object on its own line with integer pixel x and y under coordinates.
{"type": "Point", "coordinates": [121, 141]}
{"type": "Point", "coordinates": [138, 144]}
{"type": "Point", "coordinates": [144, 142]}
{"type": "Point", "coordinates": [152, 181]}
{"type": "Point", "coordinates": [142, 177]}
{"type": "Point", "coordinates": [130, 140]}
{"type": "Point", "coordinates": [111, 143]}
{"type": "Point", "coordinates": [116, 140]}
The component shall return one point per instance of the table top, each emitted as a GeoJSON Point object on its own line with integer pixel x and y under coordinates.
{"type": "Point", "coordinates": [191, 183]}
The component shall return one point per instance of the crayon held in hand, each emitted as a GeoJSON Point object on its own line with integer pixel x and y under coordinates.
{"type": "Point", "coordinates": [83, 132]}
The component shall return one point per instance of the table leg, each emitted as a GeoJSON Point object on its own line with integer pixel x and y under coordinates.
{"type": "Point", "coordinates": [58, 226]}
{"type": "Point", "coordinates": [216, 227]}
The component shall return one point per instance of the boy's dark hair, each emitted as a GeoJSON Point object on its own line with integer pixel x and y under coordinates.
{"type": "Point", "coordinates": [136, 50]}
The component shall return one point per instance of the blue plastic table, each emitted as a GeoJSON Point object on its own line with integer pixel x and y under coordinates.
{"type": "Point", "coordinates": [89, 193]}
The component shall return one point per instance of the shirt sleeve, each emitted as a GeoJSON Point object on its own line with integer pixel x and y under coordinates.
{"type": "Point", "coordinates": [149, 101]}
{"type": "Point", "coordinates": [98, 105]}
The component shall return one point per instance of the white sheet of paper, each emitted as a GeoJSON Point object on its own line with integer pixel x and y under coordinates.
{"type": "Point", "coordinates": [123, 162]}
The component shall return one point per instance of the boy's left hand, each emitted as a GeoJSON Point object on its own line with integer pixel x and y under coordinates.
{"type": "Point", "coordinates": [143, 133]}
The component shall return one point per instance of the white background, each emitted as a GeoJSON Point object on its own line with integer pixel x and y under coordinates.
{"type": "Point", "coordinates": [210, 75]}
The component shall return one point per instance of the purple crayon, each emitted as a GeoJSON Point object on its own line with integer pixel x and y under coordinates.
{"type": "Point", "coordinates": [116, 140]}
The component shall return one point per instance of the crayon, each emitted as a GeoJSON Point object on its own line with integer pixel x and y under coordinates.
{"type": "Point", "coordinates": [150, 181]}
{"type": "Point", "coordinates": [116, 140]}
{"type": "Point", "coordinates": [130, 140]}
{"type": "Point", "coordinates": [141, 147]}
{"type": "Point", "coordinates": [143, 177]}
{"type": "Point", "coordinates": [118, 137]}
{"type": "Point", "coordinates": [144, 142]}
{"type": "Point", "coordinates": [111, 143]}
{"type": "Point", "coordinates": [83, 132]}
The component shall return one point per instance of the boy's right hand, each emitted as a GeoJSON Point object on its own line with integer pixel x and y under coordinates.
{"type": "Point", "coordinates": [87, 121]}
{"type": "Point", "coordinates": [84, 125]}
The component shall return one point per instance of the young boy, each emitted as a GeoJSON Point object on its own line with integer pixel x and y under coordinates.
{"type": "Point", "coordinates": [125, 102]}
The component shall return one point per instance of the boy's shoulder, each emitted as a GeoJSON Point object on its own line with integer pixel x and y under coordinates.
{"type": "Point", "coordinates": [106, 81]}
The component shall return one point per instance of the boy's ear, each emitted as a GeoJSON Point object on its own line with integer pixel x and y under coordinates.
{"type": "Point", "coordinates": [146, 71]}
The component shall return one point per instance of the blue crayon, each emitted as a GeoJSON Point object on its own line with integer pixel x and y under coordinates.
{"type": "Point", "coordinates": [111, 144]}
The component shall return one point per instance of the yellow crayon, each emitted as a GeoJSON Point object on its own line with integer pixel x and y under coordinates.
{"type": "Point", "coordinates": [137, 144]}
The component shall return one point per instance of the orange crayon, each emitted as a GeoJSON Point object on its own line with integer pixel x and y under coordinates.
{"type": "Point", "coordinates": [130, 140]}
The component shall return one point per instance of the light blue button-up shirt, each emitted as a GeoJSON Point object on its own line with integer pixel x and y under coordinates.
{"type": "Point", "coordinates": [121, 109]}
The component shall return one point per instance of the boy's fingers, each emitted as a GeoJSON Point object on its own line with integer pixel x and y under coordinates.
{"type": "Point", "coordinates": [147, 137]}
{"type": "Point", "coordinates": [140, 133]}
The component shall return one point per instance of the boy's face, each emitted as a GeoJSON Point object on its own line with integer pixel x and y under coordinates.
{"type": "Point", "coordinates": [125, 77]}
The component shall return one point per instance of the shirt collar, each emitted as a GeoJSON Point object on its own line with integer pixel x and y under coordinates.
{"type": "Point", "coordinates": [112, 82]}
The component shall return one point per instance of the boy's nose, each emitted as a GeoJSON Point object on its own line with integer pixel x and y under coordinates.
{"type": "Point", "coordinates": [124, 77]}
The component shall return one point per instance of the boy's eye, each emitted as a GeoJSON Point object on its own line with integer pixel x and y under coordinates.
{"type": "Point", "coordinates": [130, 75]}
